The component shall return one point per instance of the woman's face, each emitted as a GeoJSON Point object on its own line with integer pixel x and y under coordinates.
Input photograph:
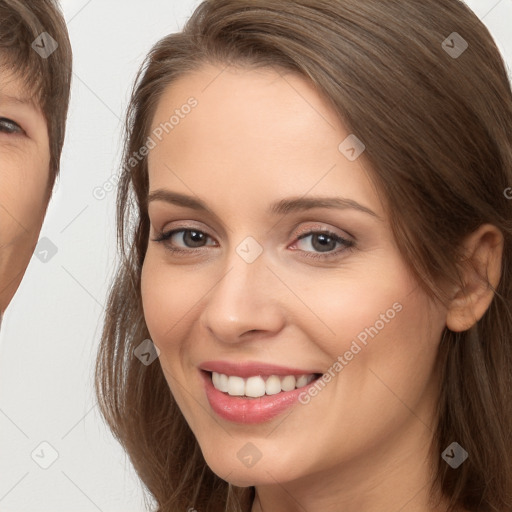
{"type": "Point", "coordinates": [249, 284]}
{"type": "Point", "coordinates": [24, 174]}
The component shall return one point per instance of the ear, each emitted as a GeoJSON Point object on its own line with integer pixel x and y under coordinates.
{"type": "Point", "coordinates": [481, 273]}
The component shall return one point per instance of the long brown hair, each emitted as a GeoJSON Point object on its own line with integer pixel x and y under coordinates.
{"type": "Point", "coordinates": [437, 126]}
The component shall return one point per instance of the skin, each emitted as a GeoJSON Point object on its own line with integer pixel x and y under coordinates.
{"type": "Point", "coordinates": [362, 443]}
{"type": "Point", "coordinates": [24, 175]}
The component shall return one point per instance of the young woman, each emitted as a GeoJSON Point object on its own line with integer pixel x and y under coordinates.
{"type": "Point", "coordinates": [316, 243]}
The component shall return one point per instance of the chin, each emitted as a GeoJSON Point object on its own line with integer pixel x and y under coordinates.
{"type": "Point", "coordinates": [260, 474]}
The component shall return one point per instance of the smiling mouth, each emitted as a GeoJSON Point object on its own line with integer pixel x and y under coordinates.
{"type": "Point", "coordinates": [259, 385]}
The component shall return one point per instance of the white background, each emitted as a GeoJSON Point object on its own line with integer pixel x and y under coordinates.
{"type": "Point", "coordinates": [51, 330]}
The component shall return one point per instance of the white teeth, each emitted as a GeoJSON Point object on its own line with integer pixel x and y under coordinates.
{"type": "Point", "coordinates": [257, 386]}
{"type": "Point", "coordinates": [220, 382]}
{"type": "Point", "coordinates": [273, 385]}
{"type": "Point", "coordinates": [223, 383]}
{"type": "Point", "coordinates": [236, 386]}
{"type": "Point", "coordinates": [216, 379]}
{"type": "Point", "coordinates": [288, 383]}
{"type": "Point", "coordinates": [302, 381]}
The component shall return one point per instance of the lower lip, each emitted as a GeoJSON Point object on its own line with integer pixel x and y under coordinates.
{"type": "Point", "coordinates": [250, 410]}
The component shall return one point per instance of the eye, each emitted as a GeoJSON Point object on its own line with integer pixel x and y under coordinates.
{"type": "Point", "coordinates": [322, 244]}
{"type": "Point", "coordinates": [8, 126]}
{"type": "Point", "coordinates": [189, 238]}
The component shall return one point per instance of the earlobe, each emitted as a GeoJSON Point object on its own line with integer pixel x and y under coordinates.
{"type": "Point", "coordinates": [480, 273]}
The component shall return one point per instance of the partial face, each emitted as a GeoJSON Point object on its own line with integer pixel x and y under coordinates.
{"type": "Point", "coordinates": [248, 283]}
{"type": "Point", "coordinates": [24, 174]}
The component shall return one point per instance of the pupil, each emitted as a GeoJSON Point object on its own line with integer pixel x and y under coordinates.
{"type": "Point", "coordinates": [196, 238]}
{"type": "Point", "coordinates": [325, 242]}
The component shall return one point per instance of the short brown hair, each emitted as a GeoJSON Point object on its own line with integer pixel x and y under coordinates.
{"type": "Point", "coordinates": [438, 134]}
{"type": "Point", "coordinates": [47, 79]}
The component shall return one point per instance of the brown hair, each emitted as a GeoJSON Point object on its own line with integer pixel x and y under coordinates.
{"type": "Point", "coordinates": [48, 80]}
{"type": "Point", "coordinates": [438, 136]}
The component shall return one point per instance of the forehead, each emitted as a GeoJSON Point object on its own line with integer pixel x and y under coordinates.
{"type": "Point", "coordinates": [253, 132]}
{"type": "Point", "coordinates": [244, 86]}
{"type": "Point", "coordinates": [254, 109]}
{"type": "Point", "coordinates": [14, 90]}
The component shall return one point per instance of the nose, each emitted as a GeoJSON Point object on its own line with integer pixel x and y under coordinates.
{"type": "Point", "coordinates": [245, 301]}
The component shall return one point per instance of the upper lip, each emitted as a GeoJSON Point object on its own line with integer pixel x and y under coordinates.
{"type": "Point", "coordinates": [250, 369]}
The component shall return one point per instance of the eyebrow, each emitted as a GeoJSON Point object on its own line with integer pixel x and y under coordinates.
{"type": "Point", "coordinates": [19, 100]}
{"type": "Point", "coordinates": [282, 207]}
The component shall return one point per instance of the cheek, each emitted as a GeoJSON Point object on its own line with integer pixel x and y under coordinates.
{"type": "Point", "coordinates": [353, 303]}
{"type": "Point", "coordinates": [23, 200]}
{"type": "Point", "coordinates": [394, 358]}
{"type": "Point", "coordinates": [382, 324]}
{"type": "Point", "coordinates": [23, 196]}
{"type": "Point", "coordinates": [168, 296]}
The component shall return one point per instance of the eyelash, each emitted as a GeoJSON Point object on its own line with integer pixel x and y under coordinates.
{"type": "Point", "coordinates": [11, 124]}
{"type": "Point", "coordinates": [348, 244]}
